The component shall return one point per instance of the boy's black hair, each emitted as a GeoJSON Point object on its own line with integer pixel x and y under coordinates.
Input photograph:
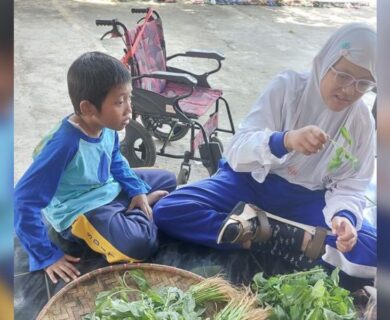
{"type": "Point", "coordinates": [92, 75]}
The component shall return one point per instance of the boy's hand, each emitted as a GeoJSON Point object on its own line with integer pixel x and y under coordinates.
{"type": "Point", "coordinates": [63, 268]}
{"type": "Point", "coordinates": [307, 140]}
{"type": "Point", "coordinates": [141, 201]}
{"type": "Point", "coordinates": [346, 234]}
{"type": "Point", "coordinates": [151, 199]}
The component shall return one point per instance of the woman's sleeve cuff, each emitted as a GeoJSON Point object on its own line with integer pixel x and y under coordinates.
{"type": "Point", "coordinates": [347, 214]}
{"type": "Point", "coordinates": [276, 144]}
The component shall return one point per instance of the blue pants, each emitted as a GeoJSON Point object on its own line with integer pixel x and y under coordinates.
{"type": "Point", "coordinates": [195, 213]}
{"type": "Point", "coordinates": [118, 233]}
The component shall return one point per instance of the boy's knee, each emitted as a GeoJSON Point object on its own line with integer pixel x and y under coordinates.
{"type": "Point", "coordinates": [142, 246]}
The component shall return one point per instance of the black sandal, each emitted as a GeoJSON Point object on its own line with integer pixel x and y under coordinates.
{"type": "Point", "coordinates": [241, 225]}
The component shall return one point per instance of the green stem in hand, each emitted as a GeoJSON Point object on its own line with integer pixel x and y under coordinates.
{"type": "Point", "coordinates": [341, 153]}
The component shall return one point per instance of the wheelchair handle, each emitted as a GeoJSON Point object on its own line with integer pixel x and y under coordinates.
{"type": "Point", "coordinates": [139, 10]}
{"type": "Point", "coordinates": [105, 22]}
{"type": "Point", "coordinates": [114, 23]}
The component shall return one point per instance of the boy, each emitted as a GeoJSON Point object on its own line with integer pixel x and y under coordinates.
{"type": "Point", "coordinates": [81, 182]}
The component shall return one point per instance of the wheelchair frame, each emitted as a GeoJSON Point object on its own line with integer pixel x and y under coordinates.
{"type": "Point", "coordinates": [156, 110]}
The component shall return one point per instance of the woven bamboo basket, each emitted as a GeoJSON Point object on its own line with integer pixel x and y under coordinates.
{"type": "Point", "coordinates": [78, 297]}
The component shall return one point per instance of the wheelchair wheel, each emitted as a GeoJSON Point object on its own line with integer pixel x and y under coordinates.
{"type": "Point", "coordinates": [161, 131]}
{"type": "Point", "coordinates": [217, 140]}
{"type": "Point", "coordinates": [138, 146]}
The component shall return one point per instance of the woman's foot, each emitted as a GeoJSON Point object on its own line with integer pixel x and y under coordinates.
{"type": "Point", "coordinates": [247, 224]}
{"type": "Point", "coordinates": [154, 196]}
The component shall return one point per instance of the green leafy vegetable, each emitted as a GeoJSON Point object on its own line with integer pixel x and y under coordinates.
{"type": "Point", "coordinates": [164, 303]}
{"type": "Point", "coordinates": [309, 294]}
{"type": "Point", "coordinates": [341, 153]}
{"type": "Point", "coordinates": [346, 135]}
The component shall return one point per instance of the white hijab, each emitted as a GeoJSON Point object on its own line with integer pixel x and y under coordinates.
{"type": "Point", "coordinates": [355, 42]}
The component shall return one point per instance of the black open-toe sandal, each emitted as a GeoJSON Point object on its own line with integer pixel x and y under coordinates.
{"type": "Point", "coordinates": [245, 222]}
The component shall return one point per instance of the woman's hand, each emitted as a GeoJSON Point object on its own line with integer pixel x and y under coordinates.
{"type": "Point", "coordinates": [307, 140]}
{"type": "Point", "coordinates": [63, 268]}
{"type": "Point", "coordinates": [346, 234]}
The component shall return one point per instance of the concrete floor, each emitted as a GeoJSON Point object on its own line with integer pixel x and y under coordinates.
{"type": "Point", "coordinates": [258, 42]}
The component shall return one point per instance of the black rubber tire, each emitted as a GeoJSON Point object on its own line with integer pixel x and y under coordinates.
{"type": "Point", "coordinates": [179, 132]}
{"type": "Point", "coordinates": [217, 140]}
{"type": "Point", "coordinates": [138, 146]}
{"type": "Point", "coordinates": [183, 176]}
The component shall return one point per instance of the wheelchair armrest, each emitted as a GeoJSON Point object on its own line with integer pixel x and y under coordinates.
{"type": "Point", "coordinates": [171, 76]}
{"type": "Point", "coordinates": [197, 53]}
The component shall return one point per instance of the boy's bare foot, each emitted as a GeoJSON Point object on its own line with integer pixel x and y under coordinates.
{"type": "Point", "coordinates": [153, 197]}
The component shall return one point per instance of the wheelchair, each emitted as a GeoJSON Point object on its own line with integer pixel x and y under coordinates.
{"type": "Point", "coordinates": [167, 102]}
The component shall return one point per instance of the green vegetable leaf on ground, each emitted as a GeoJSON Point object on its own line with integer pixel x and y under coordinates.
{"type": "Point", "coordinates": [308, 294]}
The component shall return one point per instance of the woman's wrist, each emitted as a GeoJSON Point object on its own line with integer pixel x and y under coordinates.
{"type": "Point", "coordinates": [286, 141]}
{"type": "Point", "coordinates": [276, 144]}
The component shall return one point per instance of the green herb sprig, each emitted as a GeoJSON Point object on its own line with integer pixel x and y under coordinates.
{"type": "Point", "coordinates": [341, 153]}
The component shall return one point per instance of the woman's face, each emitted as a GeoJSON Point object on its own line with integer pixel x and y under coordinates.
{"type": "Point", "coordinates": [338, 96]}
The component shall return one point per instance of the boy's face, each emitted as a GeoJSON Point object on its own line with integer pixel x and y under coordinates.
{"type": "Point", "coordinates": [115, 112]}
{"type": "Point", "coordinates": [336, 96]}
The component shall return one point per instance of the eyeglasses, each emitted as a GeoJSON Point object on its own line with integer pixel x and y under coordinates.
{"type": "Point", "coordinates": [345, 79]}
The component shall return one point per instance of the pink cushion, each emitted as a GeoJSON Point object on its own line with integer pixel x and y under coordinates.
{"type": "Point", "coordinates": [198, 103]}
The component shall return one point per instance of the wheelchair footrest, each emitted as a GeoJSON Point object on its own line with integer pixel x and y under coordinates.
{"type": "Point", "coordinates": [210, 156]}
